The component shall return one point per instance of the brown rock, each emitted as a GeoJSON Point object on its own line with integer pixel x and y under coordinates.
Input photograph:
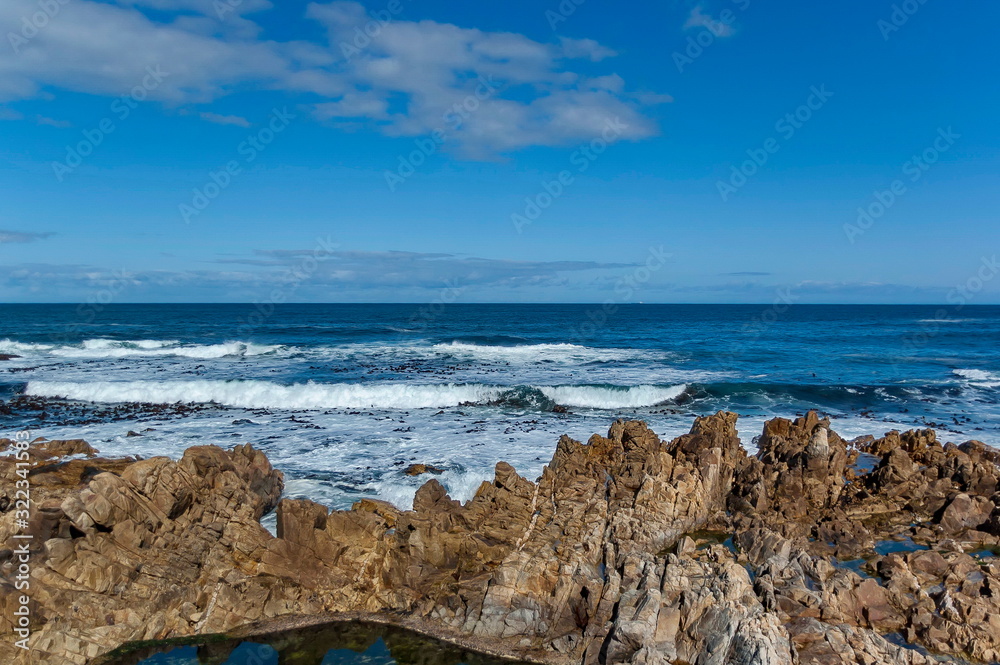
{"type": "Point", "coordinates": [420, 469]}
{"type": "Point", "coordinates": [603, 560]}
{"type": "Point", "coordinates": [965, 512]}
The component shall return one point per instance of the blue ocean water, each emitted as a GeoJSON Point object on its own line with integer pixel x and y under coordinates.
{"type": "Point", "coordinates": [344, 397]}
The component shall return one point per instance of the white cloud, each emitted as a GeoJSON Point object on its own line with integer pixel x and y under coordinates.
{"type": "Point", "coordinates": [699, 19]}
{"type": "Point", "coordinates": [488, 92]}
{"type": "Point", "coordinates": [224, 119]}
{"type": "Point", "coordinates": [21, 236]}
{"type": "Point", "coordinates": [52, 122]}
{"type": "Point", "coordinates": [585, 48]}
{"type": "Point", "coordinates": [348, 274]}
{"type": "Point", "coordinates": [105, 49]}
{"type": "Point", "coordinates": [403, 81]}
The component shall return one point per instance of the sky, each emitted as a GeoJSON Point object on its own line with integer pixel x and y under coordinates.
{"type": "Point", "coordinates": [726, 151]}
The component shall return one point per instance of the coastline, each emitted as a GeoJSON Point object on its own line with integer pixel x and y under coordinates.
{"type": "Point", "coordinates": [586, 564]}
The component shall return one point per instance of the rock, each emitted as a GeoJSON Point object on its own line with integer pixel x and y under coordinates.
{"type": "Point", "coordinates": [419, 469]}
{"type": "Point", "coordinates": [137, 542]}
{"type": "Point", "coordinates": [627, 549]}
{"type": "Point", "coordinates": [8, 356]}
{"type": "Point", "coordinates": [63, 448]}
{"type": "Point", "coordinates": [965, 512]}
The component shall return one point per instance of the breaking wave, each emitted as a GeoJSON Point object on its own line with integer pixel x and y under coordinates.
{"type": "Point", "coordinates": [307, 396]}
{"type": "Point", "coordinates": [979, 378]}
{"type": "Point", "coordinates": [111, 348]}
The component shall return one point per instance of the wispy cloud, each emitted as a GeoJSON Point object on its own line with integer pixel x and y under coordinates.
{"type": "Point", "coordinates": [355, 276]}
{"type": "Point", "coordinates": [699, 19]}
{"type": "Point", "coordinates": [60, 124]}
{"type": "Point", "coordinates": [224, 119]}
{"type": "Point", "coordinates": [422, 270]}
{"type": "Point", "coordinates": [21, 236]}
{"type": "Point", "coordinates": [340, 275]}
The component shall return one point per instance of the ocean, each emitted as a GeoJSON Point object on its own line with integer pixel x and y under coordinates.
{"type": "Point", "coordinates": [343, 398]}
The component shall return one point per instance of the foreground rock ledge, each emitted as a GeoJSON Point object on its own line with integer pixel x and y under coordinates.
{"type": "Point", "coordinates": [627, 549]}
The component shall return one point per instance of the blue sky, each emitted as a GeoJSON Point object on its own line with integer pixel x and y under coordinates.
{"type": "Point", "coordinates": [235, 150]}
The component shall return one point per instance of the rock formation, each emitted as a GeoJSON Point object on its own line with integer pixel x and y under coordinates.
{"type": "Point", "coordinates": [627, 549]}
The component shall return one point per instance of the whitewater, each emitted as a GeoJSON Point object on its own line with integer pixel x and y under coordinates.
{"type": "Point", "coordinates": [343, 398]}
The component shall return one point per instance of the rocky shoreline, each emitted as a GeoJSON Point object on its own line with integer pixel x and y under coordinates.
{"type": "Point", "coordinates": [627, 549]}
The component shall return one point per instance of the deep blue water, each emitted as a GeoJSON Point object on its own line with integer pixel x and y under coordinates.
{"type": "Point", "coordinates": [342, 397]}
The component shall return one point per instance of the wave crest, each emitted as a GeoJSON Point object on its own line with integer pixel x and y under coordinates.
{"type": "Point", "coordinates": [309, 396]}
{"type": "Point", "coordinates": [979, 378]}
{"type": "Point", "coordinates": [113, 348]}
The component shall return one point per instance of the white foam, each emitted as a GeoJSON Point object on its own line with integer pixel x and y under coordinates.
{"type": "Point", "coordinates": [979, 378]}
{"type": "Point", "coordinates": [354, 455]}
{"type": "Point", "coordinates": [612, 398]}
{"type": "Point", "coordinates": [264, 394]}
{"type": "Point", "coordinates": [973, 374]}
{"type": "Point", "coordinates": [106, 348]}
{"type": "Point", "coordinates": [527, 354]}
{"type": "Point", "coordinates": [268, 395]}
{"type": "Point", "coordinates": [461, 486]}
{"type": "Point", "coordinates": [12, 346]}
{"type": "Point", "coordinates": [562, 353]}
{"type": "Point", "coordinates": [101, 344]}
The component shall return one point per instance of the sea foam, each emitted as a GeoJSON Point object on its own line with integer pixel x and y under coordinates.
{"type": "Point", "coordinates": [269, 395]}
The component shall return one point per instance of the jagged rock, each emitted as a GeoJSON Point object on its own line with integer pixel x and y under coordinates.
{"type": "Point", "coordinates": [965, 512]}
{"type": "Point", "coordinates": [607, 558]}
{"type": "Point", "coordinates": [43, 449]}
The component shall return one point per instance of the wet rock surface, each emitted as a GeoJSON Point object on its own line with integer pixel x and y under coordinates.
{"type": "Point", "coordinates": [627, 549]}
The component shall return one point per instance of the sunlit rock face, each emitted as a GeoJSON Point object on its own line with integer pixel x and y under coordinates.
{"type": "Point", "coordinates": [627, 549]}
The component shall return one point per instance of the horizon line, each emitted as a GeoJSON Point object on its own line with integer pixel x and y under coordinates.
{"type": "Point", "coordinates": [538, 303]}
